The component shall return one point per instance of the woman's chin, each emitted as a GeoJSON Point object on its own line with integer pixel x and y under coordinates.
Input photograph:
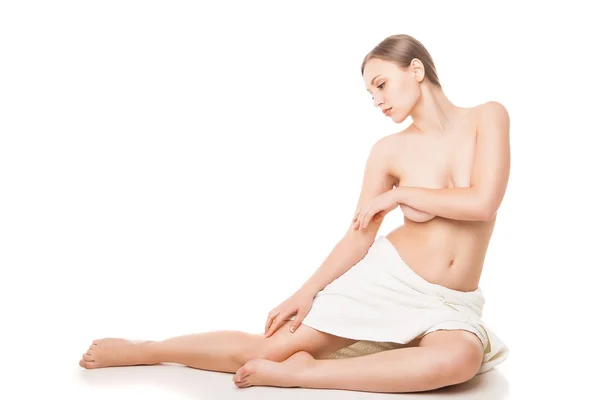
{"type": "Point", "coordinates": [397, 119]}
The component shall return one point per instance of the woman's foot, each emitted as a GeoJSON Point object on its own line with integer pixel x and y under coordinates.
{"type": "Point", "coordinates": [260, 372]}
{"type": "Point", "coordinates": [111, 352]}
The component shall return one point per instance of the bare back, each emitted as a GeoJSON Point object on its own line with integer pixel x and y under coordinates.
{"type": "Point", "coordinates": [441, 250]}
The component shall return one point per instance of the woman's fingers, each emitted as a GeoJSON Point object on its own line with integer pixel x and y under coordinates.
{"type": "Point", "coordinates": [298, 320]}
{"type": "Point", "coordinates": [275, 325]}
{"type": "Point", "coordinates": [369, 215]}
{"type": "Point", "coordinates": [270, 319]}
{"type": "Point", "coordinates": [268, 323]}
{"type": "Point", "coordinates": [367, 218]}
{"type": "Point", "coordinates": [364, 215]}
{"type": "Point", "coordinates": [357, 214]}
{"type": "Point", "coordinates": [357, 218]}
{"type": "Point", "coordinates": [361, 217]}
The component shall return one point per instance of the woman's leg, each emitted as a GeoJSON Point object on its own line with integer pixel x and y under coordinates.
{"type": "Point", "coordinates": [224, 351]}
{"type": "Point", "coordinates": [442, 358]}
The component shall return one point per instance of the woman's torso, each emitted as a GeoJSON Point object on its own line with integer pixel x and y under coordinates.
{"type": "Point", "coordinates": [443, 251]}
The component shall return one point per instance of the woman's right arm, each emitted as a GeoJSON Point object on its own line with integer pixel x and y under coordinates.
{"type": "Point", "coordinates": [346, 253]}
{"type": "Point", "coordinates": [352, 248]}
{"type": "Point", "coordinates": [355, 244]}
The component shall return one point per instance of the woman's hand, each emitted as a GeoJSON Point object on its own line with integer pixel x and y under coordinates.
{"type": "Point", "coordinates": [376, 209]}
{"type": "Point", "coordinates": [299, 303]}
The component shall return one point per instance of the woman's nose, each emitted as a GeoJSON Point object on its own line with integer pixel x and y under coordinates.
{"type": "Point", "coordinates": [376, 101]}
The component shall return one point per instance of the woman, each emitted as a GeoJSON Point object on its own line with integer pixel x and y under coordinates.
{"type": "Point", "coordinates": [407, 304]}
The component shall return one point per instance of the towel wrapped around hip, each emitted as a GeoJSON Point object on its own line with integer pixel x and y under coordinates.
{"type": "Point", "coordinates": [383, 304]}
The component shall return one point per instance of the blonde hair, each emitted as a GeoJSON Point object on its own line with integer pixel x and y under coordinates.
{"type": "Point", "coordinates": [401, 49]}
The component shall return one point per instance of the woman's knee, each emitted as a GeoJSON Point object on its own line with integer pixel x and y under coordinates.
{"type": "Point", "coordinates": [461, 363]}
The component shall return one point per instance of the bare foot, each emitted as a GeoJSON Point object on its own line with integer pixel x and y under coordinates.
{"type": "Point", "coordinates": [260, 372]}
{"type": "Point", "coordinates": [111, 352]}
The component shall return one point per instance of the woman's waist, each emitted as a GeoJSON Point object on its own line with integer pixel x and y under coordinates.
{"type": "Point", "coordinates": [456, 238]}
{"type": "Point", "coordinates": [446, 256]}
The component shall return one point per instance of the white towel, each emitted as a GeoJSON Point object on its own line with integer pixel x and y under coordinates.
{"type": "Point", "coordinates": [384, 304]}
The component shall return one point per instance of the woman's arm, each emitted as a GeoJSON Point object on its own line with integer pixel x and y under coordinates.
{"type": "Point", "coordinates": [344, 256]}
{"type": "Point", "coordinates": [455, 203]}
{"type": "Point", "coordinates": [489, 175]}
{"type": "Point", "coordinates": [356, 243]}
{"type": "Point", "coordinates": [413, 214]}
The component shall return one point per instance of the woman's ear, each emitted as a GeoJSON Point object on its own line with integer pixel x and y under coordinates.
{"type": "Point", "coordinates": [418, 69]}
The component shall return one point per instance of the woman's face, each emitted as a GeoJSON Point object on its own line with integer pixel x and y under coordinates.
{"type": "Point", "coordinates": [391, 86]}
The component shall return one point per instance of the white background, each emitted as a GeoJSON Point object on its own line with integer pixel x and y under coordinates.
{"type": "Point", "coordinates": [170, 167]}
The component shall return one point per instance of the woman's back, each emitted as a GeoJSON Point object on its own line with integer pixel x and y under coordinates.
{"type": "Point", "coordinates": [444, 251]}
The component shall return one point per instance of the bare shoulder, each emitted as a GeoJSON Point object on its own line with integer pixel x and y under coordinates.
{"type": "Point", "coordinates": [491, 109]}
{"type": "Point", "coordinates": [388, 146]}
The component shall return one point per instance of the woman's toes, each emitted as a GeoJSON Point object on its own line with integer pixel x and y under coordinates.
{"type": "Point", "coordinates": [252, 373]}
{"type": "Point", "coordinates": [242, 374]}
{"type": "Point", "coordinates": [240, 383]}
{"type": "Point", "coordinates": [110, 352]}
{"type": "Point", "coordinates": [88, 364]}
{"type": "Point", "coordinates": [261, 372]}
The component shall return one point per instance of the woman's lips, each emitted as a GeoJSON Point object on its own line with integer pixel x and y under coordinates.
{"type": "Point", "coordinates": [387, 112]}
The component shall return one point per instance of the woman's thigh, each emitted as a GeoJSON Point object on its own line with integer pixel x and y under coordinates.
{"type": "Point", "coordinates": [283, 343]}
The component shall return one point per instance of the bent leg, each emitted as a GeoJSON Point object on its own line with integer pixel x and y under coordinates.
{"type": "Point", "coordinates": [224, 351]}
{"type": "Point", "coordinates": [442, 358]}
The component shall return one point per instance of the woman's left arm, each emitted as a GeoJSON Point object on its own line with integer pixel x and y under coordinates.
{"type": "Point", "coordinates": [489, 175]}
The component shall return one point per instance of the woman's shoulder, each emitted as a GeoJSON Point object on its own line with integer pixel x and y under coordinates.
{"type": "Point", "coordinates": [492, 104]}
{"type": "Point", "coordinates": [491, 107]}
{"type": "Point", "coordinates": [473, 114]}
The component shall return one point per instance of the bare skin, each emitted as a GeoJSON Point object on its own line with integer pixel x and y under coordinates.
{"type": "Point", "coordinates": [434, 152]}
{"type": "Point", "coordinates": [448, 252]}
{"type": "Point", "coordinates": [441, 358]}
{"type": "Point", "coordinates": [224, 351]}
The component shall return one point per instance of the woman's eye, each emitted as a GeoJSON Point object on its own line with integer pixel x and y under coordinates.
{"type": "Point", "coordinates": [378, 87]}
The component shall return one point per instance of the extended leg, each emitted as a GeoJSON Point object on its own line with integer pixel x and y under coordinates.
{"type": "Point", "coordinates": [224, 351]}
{"type": "Point", "coordinates": [442, 358]}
